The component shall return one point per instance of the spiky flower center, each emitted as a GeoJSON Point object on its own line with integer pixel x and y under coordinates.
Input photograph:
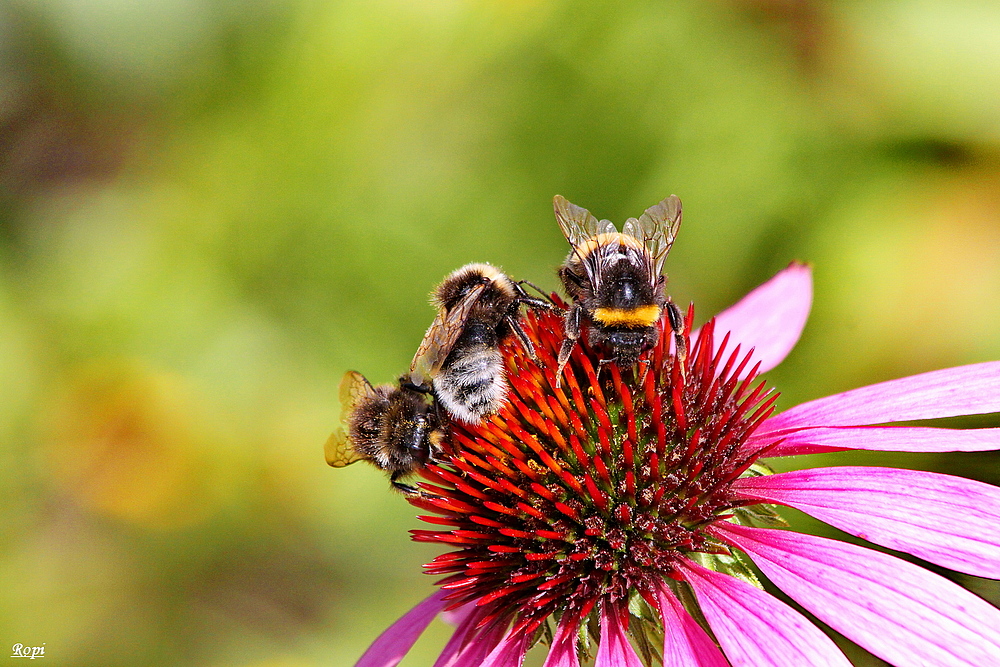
{"type": "Point", "coordinates": [591, 492]}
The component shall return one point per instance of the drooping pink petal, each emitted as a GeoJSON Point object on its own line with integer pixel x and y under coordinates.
{"type": "Point", "coordinates": [562, 653]}
{"type": "Point", "coordinates": [769, 319]}
{"type": "Point", "coordinates": [478, 648]}
{"type": "Point", "coordinates": [398, 638]}
{"type": "Point", "coordinates": [756, 629]}
{"type": "Point", "coordinates": [469, 645]}
{"type": "Point", "coordinates": [902, 613]}
{"type": "Point", "coordinates": [509, 652]}
{"type": "Point", "coordinates": [685, 643]}
{"type": "Point", "coordinates": [964, 390]}
{"type": "Point", "coordinates": [879, 438]}
{"type": "Point", "coordinates": [460, 638]}
{"type": "Point", "coordinates": [615, 649]}
{"type": "Point", "coordinates": [951, 521]}
{"type": "Point", "coordinates": [456, 616]}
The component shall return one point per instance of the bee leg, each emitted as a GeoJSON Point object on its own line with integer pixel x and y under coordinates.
{"type": "Point", "coordinates": [601, 363]}
{"type": "Point", "coordinates": [515, 326]}
{"type": "Point", "coordinates": [564, 353]}
{"type": "Point", "coordinates": [542, 304]}
{"type": "Point", "coordinates": [406, 383]}
{"type": "Point", "coordinates": [571, 333]}
{"type": "Point", "coordinates": [545, 302]}
{"type": "Point", "coordinates": [677, 325]}
{"type": "Point", "coordinates": [440, 413]}
{"type": "Point", "coordinates": [645, 369]}
{"type": "Point", "coordinates": [405, 489]}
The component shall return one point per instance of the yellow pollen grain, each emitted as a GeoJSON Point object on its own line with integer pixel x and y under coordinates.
{"type": "Point", "coordinates": [643, 316]}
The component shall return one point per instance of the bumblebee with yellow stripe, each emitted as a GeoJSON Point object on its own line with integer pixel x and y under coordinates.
{"type": "Point", "coordinates": [615, 281]}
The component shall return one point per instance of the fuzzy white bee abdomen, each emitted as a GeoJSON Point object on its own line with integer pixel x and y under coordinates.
{"type": "Point", "coordinates": [474, 385]}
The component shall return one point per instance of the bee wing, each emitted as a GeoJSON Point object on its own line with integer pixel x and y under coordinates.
{"type": "Point", "coordinates": [353, 388]}
{"type": "Point", "coordinates": [338, 450]}
{"type": "Point", "coordinates": [442, 336]}
{"type": "Point", "coordinates": [657, 229]}
{"type": "Point", "coordinates": [577, 223]}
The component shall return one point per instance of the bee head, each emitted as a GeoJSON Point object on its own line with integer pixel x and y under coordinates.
{"type": "Point", "coordinates": [626, 344]}
{"type": "Point", "coordinates": [459, 282]}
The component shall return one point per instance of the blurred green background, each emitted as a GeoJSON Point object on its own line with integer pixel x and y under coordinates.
{"type": "Point", "coordinates": [210, 209]}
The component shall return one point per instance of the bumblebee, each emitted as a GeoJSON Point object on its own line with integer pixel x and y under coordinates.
{"type": "Point", "coordinates": [391, 426]}
{"type": "Point", "coordinates": [459, 358]}
{"type": "Point", "coordinates": [615, 282]}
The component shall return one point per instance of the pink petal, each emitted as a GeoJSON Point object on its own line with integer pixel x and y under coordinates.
{"type": "Point", "coordinates": [898, 611]}
{"type": "Point", "coordinates": [615, 649]}
{"type": "Point", "coordinates": [879, 438]}
{"type": "Point", "coordinates": [685, 643]}
{"type": "Point", "coordinates": [756, 629]}
{"type": "Point", "coordinates": [563, 650]}
{"type": "Point", "coordinates": [509, 652]}
{"type": "Point", "coordinates": [460, 638]}
{"type": "Point", "coordinates": [468, 645]}
{"type": "Point", "coordinates": [398, 638]}
{"type": "Point", "coordinates": [769, 319]}
{"type": "Point", "coordinates": [951, 521]}
{"type": "Point", "coordinates": [456, 616]}
{"type": "Point", "coordinates": [965, 390]}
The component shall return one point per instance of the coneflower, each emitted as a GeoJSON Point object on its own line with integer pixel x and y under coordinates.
{"type": "Point", "coordinates": [617, 517]}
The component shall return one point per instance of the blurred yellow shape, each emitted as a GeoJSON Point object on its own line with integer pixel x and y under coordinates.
{"type": "Point", "coordinates": [123, 439]}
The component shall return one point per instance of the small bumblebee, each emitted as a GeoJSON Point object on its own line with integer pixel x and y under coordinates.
{"type": "Point", "coordinates": [615, 282]}
{"type": "Point", "coordinates": [459, 358]}
{"type": "Point", "coordinates": [391, 426]}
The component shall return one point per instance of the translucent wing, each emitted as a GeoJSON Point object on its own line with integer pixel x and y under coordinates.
{"type": "Point", "coordinates": [338, 450]}
{"type": "Point", "coordinates": [441, 337]}
{"type": "Point", "coordinates": [579, 226]}
{"type": "Point", "coordinates": [577, 223]}
{"type": "Point", "coordinates": [353, 389]}
{"type": "Point", "coordinates": [631, 228]}
{"type": "Point", "coordinates": [657, 229]}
